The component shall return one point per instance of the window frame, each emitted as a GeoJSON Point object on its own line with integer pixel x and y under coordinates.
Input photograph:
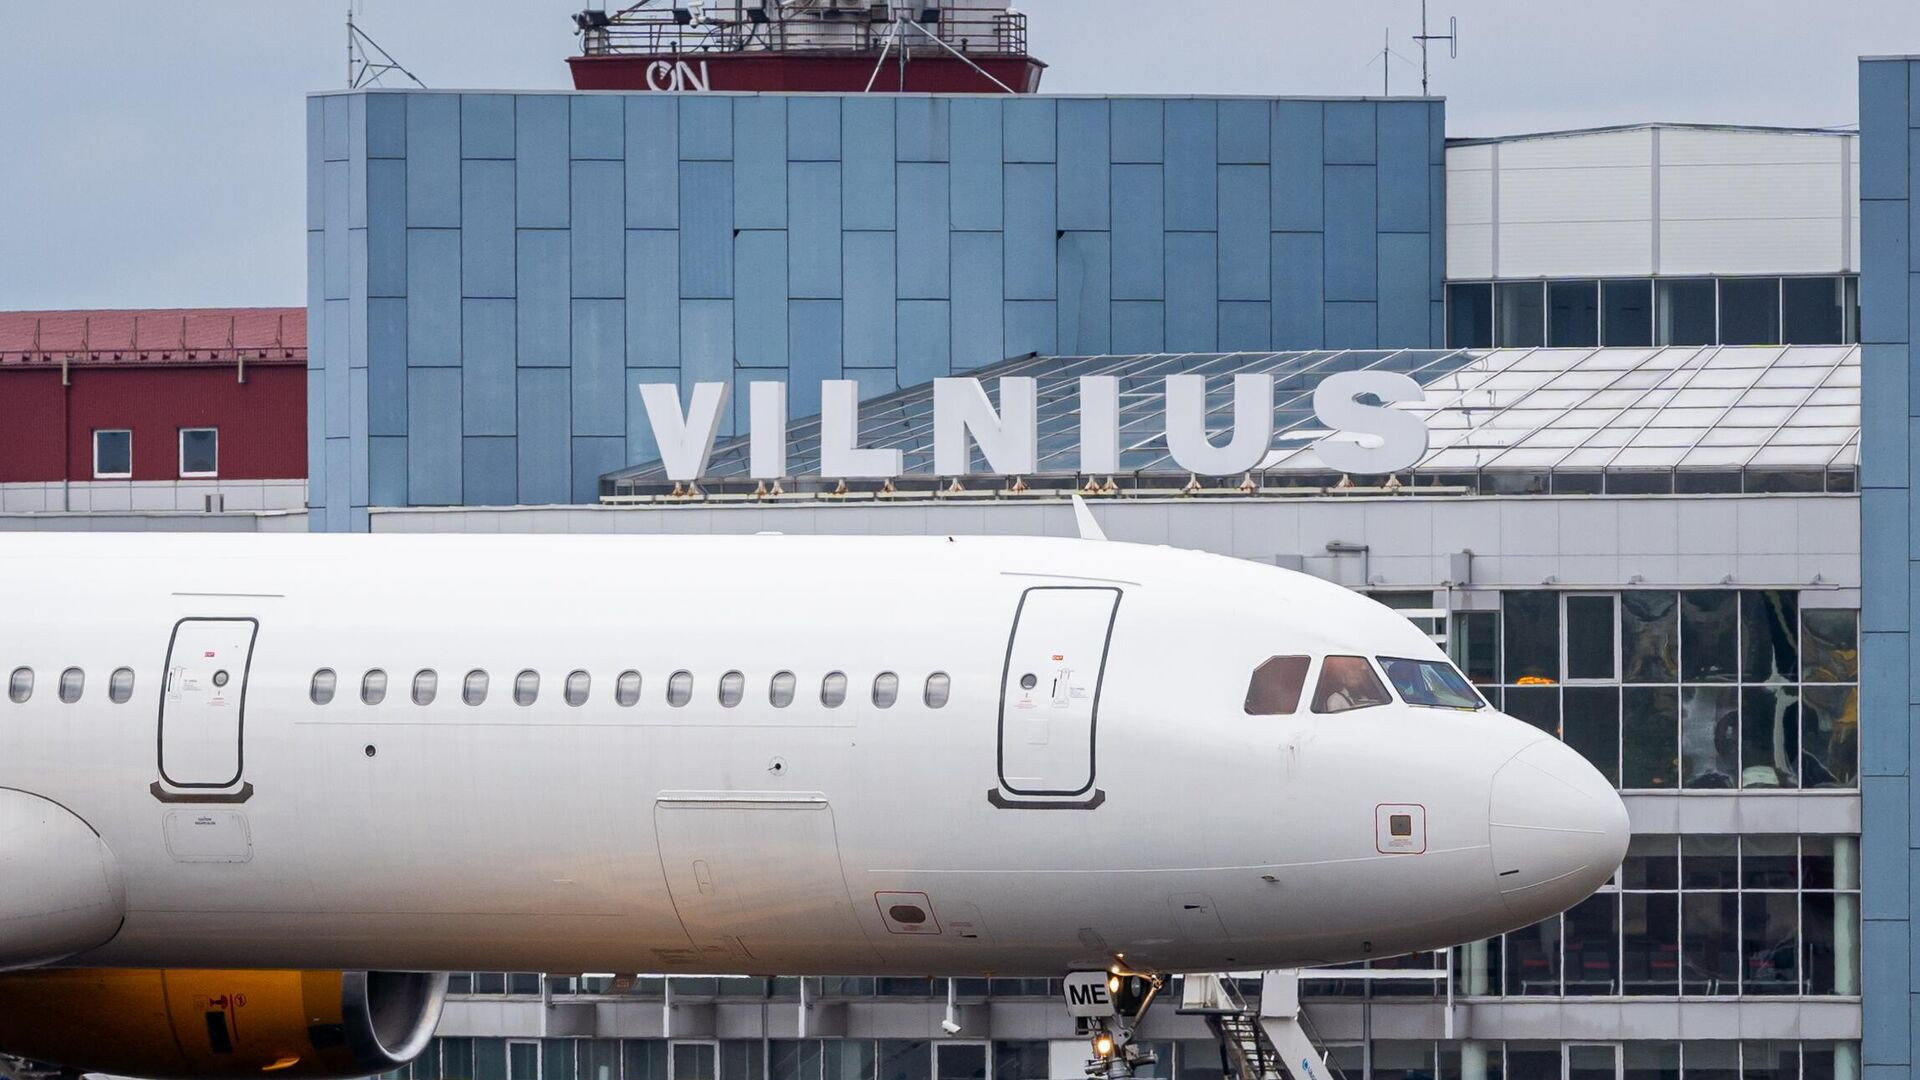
{"type": "Point", "coordinates": [182, 447]}
{"type": "Point", "coordinates": [100, 475]}
{"type": "Point", "coordinates": [120, 693]}
{"type": "Point", "coordinates": [1318, 672]}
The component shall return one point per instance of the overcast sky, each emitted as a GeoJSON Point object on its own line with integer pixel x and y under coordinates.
{"type": "Point", "coordinates": [151, 154]}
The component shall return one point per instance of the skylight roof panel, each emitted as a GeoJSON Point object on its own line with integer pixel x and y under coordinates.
{"type": "Point", "coordinates": [1715, 457]}
{"type": "Point", "coordinates": [1646, 458]}
{"type": "Point", "coordinates": [1828, 415]}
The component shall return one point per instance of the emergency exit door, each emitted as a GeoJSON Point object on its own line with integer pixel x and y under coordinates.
{"type": "Point", "coordinates": [203, 705]}
{"type": "Point", "coordinates": [1050, 690]}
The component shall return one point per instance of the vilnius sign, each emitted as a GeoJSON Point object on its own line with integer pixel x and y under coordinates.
{"type": "Point", "coordinates": [1362, 437]}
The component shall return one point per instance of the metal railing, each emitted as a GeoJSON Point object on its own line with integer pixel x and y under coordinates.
{"type": "Point", "coordinates": [817, 26]}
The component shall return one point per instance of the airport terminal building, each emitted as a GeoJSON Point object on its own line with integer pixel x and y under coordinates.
{"type": "Point", "coordinates": [1662, 508]}
{"type": "Point", "coordinates": [1637, 522]}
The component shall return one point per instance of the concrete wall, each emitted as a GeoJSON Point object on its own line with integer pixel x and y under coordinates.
{"type": "Point", "coordinates": [490, 275]}
{"type": "Point", "coordinates": [1519, 542]}
{"type": "Point", "coordinates": [1888, 696]}
{"type": "Point", "coordinates": [1653, 200]}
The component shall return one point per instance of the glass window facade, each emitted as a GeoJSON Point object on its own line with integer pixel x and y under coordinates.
{"type": "Point", "coordinates": [1633, 312]}
{"type": "Point", "coordinates": [1663, 690]}
{"type": "Point", "coordinates": [463, 1058]}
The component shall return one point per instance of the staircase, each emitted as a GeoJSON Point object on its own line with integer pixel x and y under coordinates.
{"type": "Point", "coordinates": [1272, 1042]}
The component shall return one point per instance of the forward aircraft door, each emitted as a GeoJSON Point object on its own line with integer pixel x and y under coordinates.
{"type": "Point", "coordinates": [203, 704]}
{"type": "Point", "coordinates": [1050, 690]}
{"type": "Point", "coordinates": [757, 877]}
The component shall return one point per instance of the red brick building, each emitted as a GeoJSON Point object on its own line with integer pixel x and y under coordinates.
{"type": "Point", "coordinates": [153, 410]}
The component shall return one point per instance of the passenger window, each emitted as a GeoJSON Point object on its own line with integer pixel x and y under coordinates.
{"type": "Point", "coordinates": [939, 690]}
{"type": "Point", "coordinates": [833, 689]}
{"type": "Point", "coordinates": [886, 690]}
{"type": "Point", "coordinates": [373, 688]}
{"type": "Point", "coordinates": [474, 690]}
{"type": "Point", "coordinates": [526, 688]}
{"type": "Point", "coordinates": [1275, 689]}
{"type": "Point", "coordinates": [626, 689]}
{"type": "Point", "coordinates": [679, 688]}
{"type": "Point", "coordinates": [733, 687]}
{"type": "Point", "coordinates": [780, 691]}
{"type": "Point", "coordinates": [20, 686]}
{"type": "Point", "coordinates": [426, 687]}
{"type": "Point", "coordinates": [73, 683]}
{"type": "Point", "coordinates": [579, 685]}
{"type": "Point", "coordinates": [1347, 682]}
{"type": "Point", "coordinates": [1433, 683]}
{"type": "Point", "coordinates": [324, 684]}
{"type": "Point", "coordinates": [120, 686]}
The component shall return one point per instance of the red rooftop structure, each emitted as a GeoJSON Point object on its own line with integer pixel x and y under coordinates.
{"type": "Point", "coordinates": [184, 394]}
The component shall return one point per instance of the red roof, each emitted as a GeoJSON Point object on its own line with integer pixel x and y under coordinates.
{"type": "Point", "coordinates": [166, 336]}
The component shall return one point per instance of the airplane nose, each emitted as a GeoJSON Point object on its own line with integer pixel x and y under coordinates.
{"type": "Point", "coordinates": [1558, 830]}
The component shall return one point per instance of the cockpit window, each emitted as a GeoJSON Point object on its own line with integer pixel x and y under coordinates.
{"type": "Point", "coordinates": [1434, 683]}
{"type": "Point", "coordinates": [1348, 682]}
{"type": "Point", "coordinates": [1275, 689]}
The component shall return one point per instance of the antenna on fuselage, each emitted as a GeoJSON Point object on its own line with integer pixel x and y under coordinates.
{"type": "Point", "coordinates": [1083, 520]}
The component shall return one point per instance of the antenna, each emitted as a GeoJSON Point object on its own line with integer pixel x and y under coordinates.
{"type": "Point", "coordinates": [367, 61]}
{"type": "Point", "coordinates": [1451, 37]}
{"type": "Point", "coordinates": [1385, 59]}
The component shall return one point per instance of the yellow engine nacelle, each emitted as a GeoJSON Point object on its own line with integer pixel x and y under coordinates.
{"type": "Point", "coordinates": [172, 1024]}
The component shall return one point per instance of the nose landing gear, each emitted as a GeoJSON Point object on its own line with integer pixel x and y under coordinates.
{"type": "Point", "coordinates": [1106, 1007]}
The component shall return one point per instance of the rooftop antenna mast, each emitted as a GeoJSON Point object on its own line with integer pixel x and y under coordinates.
{"type": "Point", "coordinates": [1451, 37]}
{"type": "Point", "coordinates": [367, 61]}
{"type": "Point", "coordinates": [1385, 58]}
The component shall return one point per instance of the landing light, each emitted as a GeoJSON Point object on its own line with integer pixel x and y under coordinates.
{"type": "Point", "coordinates": [1113, 983]}
{"type": "Point", "coordinates": [283, 1063]}
{"type": "Point", "coordinates": [1103, 1046]}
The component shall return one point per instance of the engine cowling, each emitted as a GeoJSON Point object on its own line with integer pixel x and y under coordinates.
{"type": "Point", "coordinates": [183, 1024]}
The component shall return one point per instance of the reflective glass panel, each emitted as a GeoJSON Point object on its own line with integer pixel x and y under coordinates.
{"type": "Point", "coordinates": [1750, 311]}
{"type": "Point", "coordinates": [626, 689]}
{"type": "Point", "coordinates": [1770, 942]}
{"type": "Point", "coordinates": [1476, 645]}
{"type": "Point", "coordinates": [1590, 638]}
{"type": "Point", "coordinates": [426, 686]}
{"type": "Point", "coordinates": [886, 690]}
{"type": "Point", "coordinates": [1652, 862]}
{"type": "Point", "coordinates": [1522, 315]}
{"type": "Point", "coordinates": [20, 685]}
{"type": "Point", "coordinates": [579, 687]}
{"type": "Point", "coordinates": [1470, 316]}
{"type": "Point", "coordinates": [1709, 643]}
{"type": "Point", "coordinates": [1649, 637]}
{"type": "Point", "coordinates": [940, 688]}
{"type": "Point", "coordinates": [1573, 314]}
{"type": "Point", "coordinates": [1709, 862]}
{"type": "Point", "coordinates": [1590, 723]}
{"type": "Point", "coordinates": [1709, 736]}
{"type": "Point", "coordinates": [474, 690]}
{"type": "Point", "coordinates": [1592, 962]}
{"type": "Point", "coordinates": [73, 683]}
{"type": "Point", "coordinates": [324, 684]}
{"type": "Point", "coordinates": [1830, 737]}
{"type": "Point", "coordinates": [373, 687]}
{"type": "Point", "coordinates": [733, 687]}
{"type": "Point", "coordinates": [1710, 942]}
{"type": "Point", "coordinates": [1533, 959]}
{"type": "Point", "coordinates": [1650, 943]}
{"type": "Point", "coordinates": [1829, 645]}
{"type": "Point", "coordinates": [1769, 862]}
{"type": "Point", "coordinates": [679, 688]}
{"type": "Point", "coordinates": [1684, 312]}
{"type": "Point", "coordinates": [1650, 1060]}
{"type": "Point", "coordinates": [1813, 311]}
{"type": "Point", "coordinates": [526, 688]}
{"type": "Point", "coordinates": [1770, 741]}
{"type": "Point", "coordinates": [1769, 636]}
{"type": "Point", "coordinates": [1532, 636]}
{"type": "Point", "coordinates": [1626, 313]}
{"type": "Point", "coordinates": [1650, 737]}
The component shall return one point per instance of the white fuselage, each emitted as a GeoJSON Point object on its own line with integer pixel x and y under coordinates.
{"type": "Point", "coordinates": [803, 839]}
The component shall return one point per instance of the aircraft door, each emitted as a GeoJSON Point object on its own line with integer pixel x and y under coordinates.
{"type": "Point", "coordinates": [757, 877]}
{"type": "Point", "coordinates": [203, 705]}
{"type": "Point", "coordinates": [1050, 692]}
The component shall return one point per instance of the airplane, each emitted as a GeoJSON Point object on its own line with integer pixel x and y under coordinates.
{"type": "Point", "coordinates": [286, 778]}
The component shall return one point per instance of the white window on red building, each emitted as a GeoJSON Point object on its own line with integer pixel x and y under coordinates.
{"type": "Point", "coordinates": [199, 452]}
{"type": "Point", "coordinates": [112, 455]}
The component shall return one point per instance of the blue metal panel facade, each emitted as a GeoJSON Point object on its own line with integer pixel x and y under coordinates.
{"type": "Point", "coordinates": [508, 267]}
{"type": "Point", "coordinates": [1889, 547]}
